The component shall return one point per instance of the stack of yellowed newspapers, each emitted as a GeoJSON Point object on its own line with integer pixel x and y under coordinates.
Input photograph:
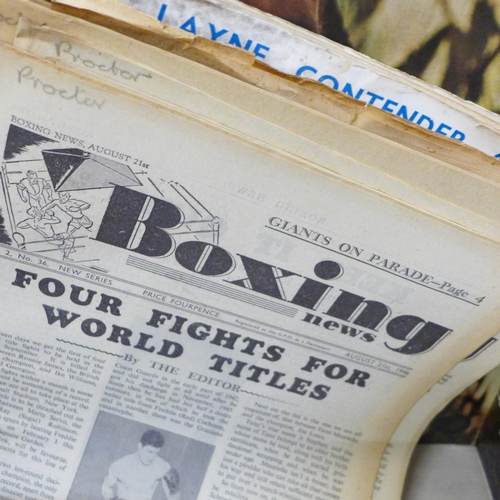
{"type": "Point", "coordinates": [222, 279]}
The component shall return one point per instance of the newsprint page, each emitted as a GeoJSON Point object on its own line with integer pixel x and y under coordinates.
{"type": "Point", "coordinates": [187, 314]}
{"type": "Point", "coordinates": [296, 51]}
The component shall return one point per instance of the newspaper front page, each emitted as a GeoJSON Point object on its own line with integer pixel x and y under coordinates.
{"type": "Point", "coordinates": [394, 464]}
{"type": "Point", "coordinates": [188, 314]}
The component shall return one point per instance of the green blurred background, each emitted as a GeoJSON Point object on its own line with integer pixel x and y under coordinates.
{"type": "Point", "coordinates": [454, 44]}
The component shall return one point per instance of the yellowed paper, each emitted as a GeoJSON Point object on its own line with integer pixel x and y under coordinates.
{"type": "Point", "coordinates": [212, 173]}
{"type": "Point", "coordinates": [318, 131]}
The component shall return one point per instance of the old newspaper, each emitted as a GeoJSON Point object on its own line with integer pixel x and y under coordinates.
{"type": "Point", "coordinates": [394, 465]}
{"type": "Point", "coordinates": [276, 121]}
{"type": "Point", "coordinates": [297, 51]}
{"type": "Point", "coordinates": [189, 313]}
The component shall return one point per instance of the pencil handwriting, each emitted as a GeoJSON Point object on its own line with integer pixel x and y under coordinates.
{"type": "Point", "coordinates": [66, 48]}
{"type": "Point", "coordinates": [77, 94]}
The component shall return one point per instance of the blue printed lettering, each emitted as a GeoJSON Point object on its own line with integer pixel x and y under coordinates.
{"type": "Point", "coordinates": [359, 94]}
{"type": "Point", "coordinates": [162, 11]}
{"type": "Point", "coordinates": [235, 40]}
{"type": "Point", "coordinates": [374, 98]}
{"type": "Point", "coordinates": [330, 78]}
{"type": "Point", "coordinates": [403, 113]}
{"type": "Point", "coordinates": [190, 25]}
{"type": "Point", "coordinates": [257, 51]}
{"type": "Point", "coordinates": [459, 136]}
{"type": "Point", "coordinates": [388, 106]}
{"type": "Point", "coordinates": [303, 69]}
{"type": "Point", "coordinates": [214, 34]}
{"type": "Point", "coordinates": [429, 121]}
{"type": "Point", "coordinates": [443, 129]}
{"type": "Point", "coordinates": [348, 90]}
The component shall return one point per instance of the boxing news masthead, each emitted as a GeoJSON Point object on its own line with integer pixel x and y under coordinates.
{"type": "Point", "coordinates": [140, 223]}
